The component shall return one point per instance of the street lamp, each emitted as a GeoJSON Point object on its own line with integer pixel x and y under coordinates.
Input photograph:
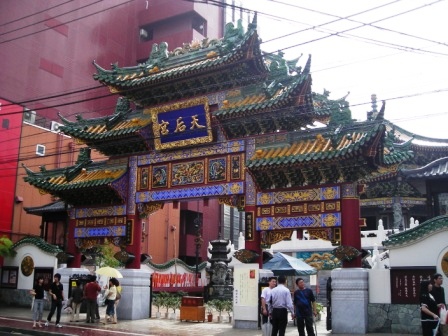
{"type": "Point", "coordinates": [198, 243]}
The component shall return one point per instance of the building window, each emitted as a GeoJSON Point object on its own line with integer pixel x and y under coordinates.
{"type": "Point", "coordinates": [146, 33]}
{"type": "Point", "coordinates": [200, 25]}
{"type": "Point", "coordinates": [442, 202]}
{"type": "Point", "coordinates": [40, 150]}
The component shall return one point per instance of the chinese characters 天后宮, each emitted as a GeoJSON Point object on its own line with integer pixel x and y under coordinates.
{"type": "Point", "coordinates": [180, 125]}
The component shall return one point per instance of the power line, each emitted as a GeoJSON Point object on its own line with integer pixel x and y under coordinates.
{"type": "Point", "coordinates": [241, 8]}
{"type": "Point", "coordinates": [64, 23]}
{"type": "Point", "coordinates": [348, 19]}
{"type": "Point", "coordinates": [261, 118]}
{"type": "Point", "coordinates": [44, 20]}
{"type": "Point", "coordinates": [34, 14]}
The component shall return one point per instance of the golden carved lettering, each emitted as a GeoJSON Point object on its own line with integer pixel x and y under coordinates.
{"type": "Point", "coordinates": [194, 122]}
{"type": "Point", "coordinates": [180, 125]}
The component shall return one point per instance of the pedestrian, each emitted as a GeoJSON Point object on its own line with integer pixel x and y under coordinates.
{"type": "Point", "coordinates": [281, 302]}
{"type": "Point", "coordinates": [38, 293]}
{"type": "Point", "coordinates": [77, 297]}
{"type": "Point", "coordinates": [438, 292]}
{"type": "Point", "coordinates": [56, 293]}
{"type": "Point", "coordinates": [428, 308]}
{"type": "Point", "coordinates": [91, 290]}
{"type": "Point", "coordinates": [110, 294]}
{"type": "Point", "coordinates": [266, 325]}
{"type": "Point", "coordinates": [305, 308]}
{"type": "Point", "coordinates": [117, 298]}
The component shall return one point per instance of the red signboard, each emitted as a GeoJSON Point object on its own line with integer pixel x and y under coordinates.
{"type": "Point", "coordinates": [405, 283]}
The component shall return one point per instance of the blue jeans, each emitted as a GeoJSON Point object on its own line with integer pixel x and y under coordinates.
{"type": "Point", "coordinates": [38, 309]}
{"type": "Point", "coordinates": [110, 309]}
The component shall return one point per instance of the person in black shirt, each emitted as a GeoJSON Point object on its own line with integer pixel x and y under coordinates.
{"type": "Point", "coordinates": [57, 296]}
{"type": "Point", "coordinates": [77, 297]}
{"type": "Point", "coordinates": [305, 307]}
{"type": "Point", "coordinates": [428, 308]}
{"type": "Point", "coordinates": [438, 292]}
{"type": "Point", "coordinates": [38, 305]}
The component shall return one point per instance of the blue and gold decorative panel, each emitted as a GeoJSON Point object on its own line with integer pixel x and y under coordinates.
{"type": "Point", "coordinates": [121, 186]}
{"type": "Point", "coordinates": [133, 176]}
{"type": "Point", "coordinates": [159, 176]}
{"type": "Point", "coordinates": [350, 190]}
{"type": "Point", "coordinates": [187, 173]}
{"type": "Point", "coordinates": [304, 195]}
{"type": "Point", "coordinates": [118, 210]}
{"type": "Point", "coordinates": [235, 188]}
{"type": "Point", "coordinates": [143, 178]}
{"type": "Point", "coordinates": [217, 170]}
{"type": "Point", "coordinates": [277, 223]}
{"type": "Point", "coordinates": [181, 124]}
{"type": "Point", "coordinates": [226, 147]}
{"type": "Point", "coordinates": [235, 167]}
{"type": "Point", "coordinates": [104, 231]}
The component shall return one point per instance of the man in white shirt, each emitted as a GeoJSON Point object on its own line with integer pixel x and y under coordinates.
{"type": "Point", "coordinates": [265, 299]}
{"type": "Point", "coordinates": [281, 302]}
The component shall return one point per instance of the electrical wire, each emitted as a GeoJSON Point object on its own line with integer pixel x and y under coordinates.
{"type": "Point", "coordinates": [34, 14]}
{"type": "Point", "coordinates": [241, 8]}
{"type": "Point", "coordinates": [64, 23]}
{"type": "Point", "coordinates": [45, 20]}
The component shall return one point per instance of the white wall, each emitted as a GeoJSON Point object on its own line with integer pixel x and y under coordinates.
{"type": "Point", "coordinates": [423, 252]}
{"type": "Point", "coordinates": [40, 258]}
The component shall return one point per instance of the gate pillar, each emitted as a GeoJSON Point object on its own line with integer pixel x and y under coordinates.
{"type": "Point", "coordinates": [135, 244]}
{"type": "Point", "coordinates": [71, 247]}
{"type": "Point", "coordinates": [252, 236]}
{"type": "Point", "coordinates": [350, 228]}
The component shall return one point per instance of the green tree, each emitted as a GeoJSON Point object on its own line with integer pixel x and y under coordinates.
{"type": "Point", "coordinates": [105, 257]}
{"type": "Point", "coordinates": [6, 249]}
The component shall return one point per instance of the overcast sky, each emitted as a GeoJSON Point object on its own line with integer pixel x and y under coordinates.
{"type": "Point", "coordinates": [397, 49]}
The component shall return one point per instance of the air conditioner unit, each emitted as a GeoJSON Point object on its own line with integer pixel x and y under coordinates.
{"type": "Point", "coordinates": [40, 150]}
{"type": "Point", "coordinates": [29, 116]}
{"type": "Point", "coordinates": [55, 126]}
{"type": "Point", "coordinates": [143, 33]}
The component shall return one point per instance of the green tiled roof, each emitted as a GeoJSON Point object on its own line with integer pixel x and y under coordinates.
{"type": "Point", "coordinates": [436, 169]}
{"type": "Point", "coordinates": [183, 72]}
{"type": "Point", "coordinates": [319, 158]}
{"type": "Point", "coordinates": [281, 103]}
{"type": "Point", "coordinates": [38, 242]}
{"type": "Point", "coordinates": [418, 233]}
{"type": "Point", "coordinates": [72, 183]}
{"type": "Point", "coordinates": [316, 149]}
{"type": "Point", "coordinates": [332, 112]}
{"type": "Point", "coordinates": [125, 132]}
{"type": "Point", "coordinates": [397, 156]}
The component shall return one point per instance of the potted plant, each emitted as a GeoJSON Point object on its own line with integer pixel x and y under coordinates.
{"type": "Point", "coordinates": [164, 301]}
{"type": "Point", "coordinates": [219, 306]}
{"type": "Point", "coordinates": [173, 303]}
{"type": "Point", "coordinates": [319, 309]}
{"type": "Point", "coordinates": [209, 308]}
{"type": "Point", "coordinates": [228, 307]}
{"type": "Point", "coordinates": [157, 302]}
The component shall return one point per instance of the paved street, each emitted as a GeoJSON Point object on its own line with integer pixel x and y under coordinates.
{"type": "Point", "coordinates": [14, 319]}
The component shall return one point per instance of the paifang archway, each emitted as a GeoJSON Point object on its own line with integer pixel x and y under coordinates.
{"type": "Point", "coordinates": [217, 119]}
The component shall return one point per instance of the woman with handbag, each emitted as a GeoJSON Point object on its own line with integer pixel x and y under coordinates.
{"type": "Point", "coordinates": [428, 306]}
{"type": "Point", "coordinates": [117, 298]}
{"type": "Point", "coordinates": [111, 294]}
